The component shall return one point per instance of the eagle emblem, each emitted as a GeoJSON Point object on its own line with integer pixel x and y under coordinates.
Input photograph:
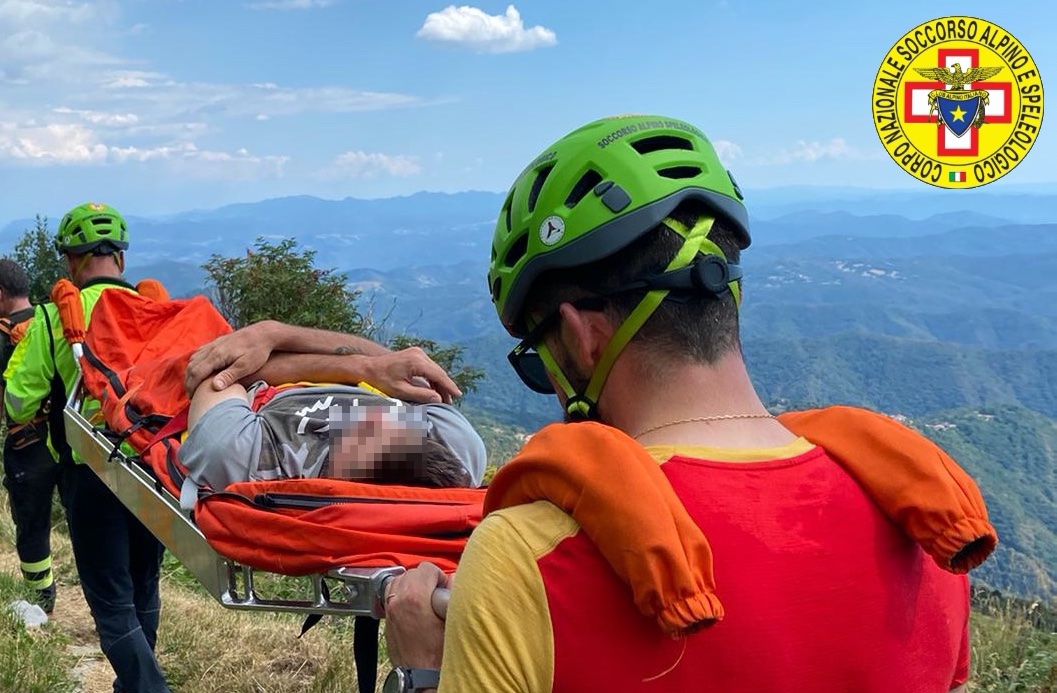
{"type": "Point", "coordinates": [958, 108]}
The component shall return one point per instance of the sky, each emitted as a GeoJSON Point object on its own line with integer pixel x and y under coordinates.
{"type": "Point", "coordinates": [161, 106]}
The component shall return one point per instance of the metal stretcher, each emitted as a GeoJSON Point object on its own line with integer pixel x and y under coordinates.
{"type": "Point", "coordinates": [339, 592]}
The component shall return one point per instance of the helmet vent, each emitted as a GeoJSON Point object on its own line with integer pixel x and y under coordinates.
{"type": "Point", "coordinates": [680, 172]}
{"type": "Point", "coordinates": [517, 250]}
{"type": "Point", "coordinates": [507, 210]}
{"type": "Point", "coordinates": [537, 186]}
{"type": "Point", "coordinates": [103, 222]}
{"type": "Point", "coordinates": [583, 186]}
{"type": "Point", "coordinates": [659, 143]}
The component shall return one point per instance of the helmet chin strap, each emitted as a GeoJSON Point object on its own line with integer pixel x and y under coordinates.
{"type": "Point", "coordinates": [584, 406]}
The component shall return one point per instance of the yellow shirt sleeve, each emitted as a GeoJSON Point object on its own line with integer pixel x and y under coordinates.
{"type": "Point", "coordinates": [498, 636]}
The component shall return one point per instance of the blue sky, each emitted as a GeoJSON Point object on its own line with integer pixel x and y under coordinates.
{"type": "Point", "coordinates": [159, 106]}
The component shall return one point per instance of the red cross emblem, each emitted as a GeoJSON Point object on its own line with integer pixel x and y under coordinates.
{"type": "Point", "coordinates": [916, 107]}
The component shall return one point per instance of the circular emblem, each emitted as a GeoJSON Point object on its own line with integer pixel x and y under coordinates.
{"type": "Point", "coordinates": [95, 206]}
{"type": "Point", "coordinates": [957, 102]}
{"type": "Point", "coordinates": [552, 229]}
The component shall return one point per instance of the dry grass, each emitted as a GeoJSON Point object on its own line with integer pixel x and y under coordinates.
{"type": "Point", "coordinates": [203, 647]}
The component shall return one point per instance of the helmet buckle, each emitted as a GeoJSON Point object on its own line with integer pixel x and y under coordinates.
{"type": "Point", "coordinates": [712, 274]}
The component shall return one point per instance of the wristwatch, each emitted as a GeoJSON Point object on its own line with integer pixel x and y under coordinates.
{"type": "Point", "coordinates": [407, 680]}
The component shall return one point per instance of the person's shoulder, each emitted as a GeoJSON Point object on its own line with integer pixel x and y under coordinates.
{"type": "Point", "coordinates": [540, 525]}
{"type": "Point", "coordinates": [43, 314]}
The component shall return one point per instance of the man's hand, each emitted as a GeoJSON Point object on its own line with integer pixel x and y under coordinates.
{"type": "Point", "coordinates": [231, 358]}
{"type": "Point", "coordinates": [414, 634]}
{"type": "Point", "coordinates": [410, 375]}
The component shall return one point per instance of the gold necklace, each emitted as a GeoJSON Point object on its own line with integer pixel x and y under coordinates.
{"type": "Point", "coordinates": [718, 417]}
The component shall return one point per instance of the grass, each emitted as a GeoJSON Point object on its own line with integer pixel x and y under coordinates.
{"type": "Point", "coordinates": [205, 648]}
{"type": "Point", "coordinates": [31, 660]}
{"type": "Point", "coordinates": [1014, 645]}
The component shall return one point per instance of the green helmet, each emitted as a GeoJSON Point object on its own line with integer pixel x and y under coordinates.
{"type": "Point", "coordinates": [595, 191]}
{"type": "Point", "coordinates": [92, 228]}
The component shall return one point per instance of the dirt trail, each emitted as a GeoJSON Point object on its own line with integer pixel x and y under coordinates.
{"type": "Point", "coordinates": [73, 619]}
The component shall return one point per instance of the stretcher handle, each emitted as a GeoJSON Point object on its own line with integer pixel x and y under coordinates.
{"type": "Point", "coordinates": [438, 600]}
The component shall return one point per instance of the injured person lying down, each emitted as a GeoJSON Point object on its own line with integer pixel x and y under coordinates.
{"type": "Point", "coordinates": [267, 432]}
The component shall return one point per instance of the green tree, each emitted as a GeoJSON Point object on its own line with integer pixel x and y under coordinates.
{"type": "Point", "coordinates": [449, 358]}
{"type": "Point", "coordinates": [36, 253]}
{"type": "Point", "coordinates": [278, 282]}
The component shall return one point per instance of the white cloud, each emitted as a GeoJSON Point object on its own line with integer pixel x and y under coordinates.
{"type": "Point", "coordinates": [42, 39]}
{"type": "Point", "coordinates": [24, 11]}
{"type": "Point", "coordinates": [473, 27]}
{"type": "Point", "coordinates": [101, 118]}
{"type": "Point", "coordinates": [167, 96]}
{"type": "Point", "coordinates": [129, 79]}
{"type": "Point", "coordinates": [51, 144]}
{"type": "Point", "coordinates": [290, 4]}
{"type": "Point", "coordinates": [727, 151]}
{"type": "Point", "coordinates": [360, 164]}
{"type": "Point", "coordinates": [68, 97]}
{"type": "Point", "coordinates": [810, 152]}
{"type": "Point", "coordinates": [78, 144]}
{"type": "Point", "coordinates": [205, 163]}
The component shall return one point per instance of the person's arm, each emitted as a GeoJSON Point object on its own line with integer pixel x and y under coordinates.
{"type": "Point", "coordinates": [498, 635]}
{"type": "Point", "coordinates": [29, 373]}
{"type": "Point", "coordinates": [306, 340]}
{"type": "Point", "coordinates": [205, 398]}
{"type": "Point", "coordinates": [408, 375]}
{"type": "Point", "coordinates": [230, 358]}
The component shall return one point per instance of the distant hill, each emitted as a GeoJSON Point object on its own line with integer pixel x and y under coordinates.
{"type": "Point", "coordinates": [900, 375]}
{"type": "Point", "coordinates": [181, 279]}
{"type": "Point", "coordinates": [885, 373]}
{"type": "Point", "coordinates": [439, 228]}
{"type": "Point", "coordinates": [1012, 454]}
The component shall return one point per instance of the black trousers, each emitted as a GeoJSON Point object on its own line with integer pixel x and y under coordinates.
{"type": "Point", "coordinates": [119, 562]}
{"type": "Point", "coordinates": [31, 476]}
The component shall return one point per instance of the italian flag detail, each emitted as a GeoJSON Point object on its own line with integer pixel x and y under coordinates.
{"type": "Point", "coordinates": [956, 176]}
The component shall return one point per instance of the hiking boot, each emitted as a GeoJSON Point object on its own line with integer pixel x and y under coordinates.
{"type": "Point", "coordinates": [45, 599]}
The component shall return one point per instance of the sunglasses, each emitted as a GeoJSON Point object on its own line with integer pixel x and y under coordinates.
{"type": "Point", "coordinates": [528, 363]}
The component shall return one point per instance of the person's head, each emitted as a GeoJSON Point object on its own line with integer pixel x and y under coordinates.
{"type": "Point", "coordinates": [14, 287]}
{"type": "Point", "coordinates": [623, 236]}
{"type": "Point", "coordinates": [411, 445]}
{"type": "Point", "coordinates": [92, 238]}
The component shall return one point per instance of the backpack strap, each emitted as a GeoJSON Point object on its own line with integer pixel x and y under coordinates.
{"type": "Point", "coordinates": [56, 401]}
{"type": "Point", "coordinates": [365, 651]}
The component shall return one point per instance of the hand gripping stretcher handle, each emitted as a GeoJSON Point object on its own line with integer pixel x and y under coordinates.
{"type": "Point", "coordinates": [439, 598]}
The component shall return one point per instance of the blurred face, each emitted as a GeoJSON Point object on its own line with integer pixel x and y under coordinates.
{"type": "Point", "coordinates": [363, 438]}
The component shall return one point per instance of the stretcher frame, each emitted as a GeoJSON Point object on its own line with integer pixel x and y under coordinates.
{"type": "Point", "coordinates": [348, 591]}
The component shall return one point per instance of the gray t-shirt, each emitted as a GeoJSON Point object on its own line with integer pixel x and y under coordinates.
{"type": "Point", "coordinates": [290, 435]}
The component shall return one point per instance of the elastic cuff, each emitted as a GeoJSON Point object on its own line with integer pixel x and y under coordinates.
{"type": "Point", "coordinates": [964, 546]}
{"type": "Point", "coordinates": [689, 615]}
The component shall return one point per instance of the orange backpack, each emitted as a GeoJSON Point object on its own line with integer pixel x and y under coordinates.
{"type": "Point", "coordinates": [15, 331]}
{"type": "Point", "coordinates": [133, 360]}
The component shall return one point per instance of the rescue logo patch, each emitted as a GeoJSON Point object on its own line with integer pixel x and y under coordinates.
{"type": "Point", "coordinates": [552, 229]}
{"type": "Point", "coordinates": [958, 102]}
